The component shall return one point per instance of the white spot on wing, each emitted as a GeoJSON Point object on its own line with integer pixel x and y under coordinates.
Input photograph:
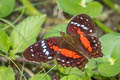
{"type": "Point", "coordinates": [72, 22]}
{"type": "Point", "coordinates": [90, 30]}
{"type": "Point", "coordinates": [63, 60]}
{"type": "Point", "coordinates": [82, 25]}
{"type": "Point", "coordinates": [94, 41]}
{"type": "Point", "coordinates": [58, 58]}
{"type": "Point", "coordinates": [96, 45]}
{"type": "Point", "coordinates": [44, 46]}
{"type": "Point", "coordinates": [50, 57]}
{"type": "Point", "coordinates": [97, 51]}
{"type": "Point", "coordinates": [31, 50]}
{"type": "Point", "coordinates": [44, 50]}
{"type": "Point", "coordinates": [47, 53]}
{"type": "Point", "coordinates": [81, 17]}
{"type": "Point", "coordinates": [32, 55]}
{"type": "Point", "coordinates": [92, 37]}
{"type": "Point", "coordinates": [85, 28]}
{"type": "Point", "coordinates": [67, 62]}
{"type": "Point", "coordinates": [42, 41]}
{"type": "Point", "coordinates": [86, 19]}
{"type": "Point", "coordinates": [78, 24]}
{"type": "Point", "coordinates": [98, 42]}
{"type": "Point", "coordinates": [36, 44]}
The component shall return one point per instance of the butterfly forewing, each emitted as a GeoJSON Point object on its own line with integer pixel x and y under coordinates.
{"type": "Point", "coordinates": [41, 51]}
{"type": "Point", "coordinates": [82, 22]}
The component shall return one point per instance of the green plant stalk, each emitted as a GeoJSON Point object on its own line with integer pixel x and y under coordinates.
{"type": "Point", "coordinates": [118, 27]}
{"type": "Point", "coordinates": [17, 19]}
{"type": "Point", "coordinates": [86, 76]}
{"type": "Point", "coordinates": [30, 9]}
{"type": "Point", "coordinates": [48, 72]}
{"type": "Point", "coordinates": [112, 5]}
{"type": "Point", "coordinates": [15, 65]}
{"type": "Point", "coordinates": [103, 27]}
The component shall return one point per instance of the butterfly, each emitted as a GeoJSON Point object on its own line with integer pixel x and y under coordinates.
{"type": "Point", "coordinates": [72, 49]}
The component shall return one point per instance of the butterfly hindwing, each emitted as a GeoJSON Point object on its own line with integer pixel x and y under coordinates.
{"type": "Point", "coordinates": [96, 46]}
{"type": "Point", "coordinates": [71, 61]}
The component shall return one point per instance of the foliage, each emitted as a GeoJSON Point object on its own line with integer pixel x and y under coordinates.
{"type": "Point", "coordinates": [6, 7]}
{"type": "Point", "coordinates": [16, 37]}
{"type": "Point", "coordinates": [92, 8]}
{"type": "Point", "coordinates": [40, 76]}
{"type": "Point", "coordinates": [25, 33]}
{"type": "Point", "coordinates": [4, 41]}
{"type": "Point", "coordinates": [111, 61]}
{"type": "Point", "coordinates": [7, 73]}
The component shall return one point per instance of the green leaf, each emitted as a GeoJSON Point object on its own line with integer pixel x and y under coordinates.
{"type": "Point", "coordinates": [40, 77]}
{"type": "Point", "coordinates": [90, 72]}
{"type": "Point", "coordinates": [71, 77]}
{"type": "Point", "coordinates": [75, 71]}
{"type": "Point", "coordinates": [87, 1]}
{"type": "Point", "coordinates": [4, 41]}
{"type": "Point", "coordinates": [55, 31]}
{"type": "Point", "coordinates": [86, 76]}
{"type": "Point", "coordinates": [93, 8]}
{"type": "Point", "coordinates": [6, 7]}
{"type": "Point", "coordinates": [110, 63]}
{"type": "Point", "coordinates": [26, 32]}
{"type": "Point", "coordinates": [110, 42]}
{"type": "Point", "coordinates": [6, 73]}
{"type": "Point", "coordinates": [91, 64]}
{"type": "Point", "coordinates": [108, 69]}
{"type": "Point", "coordinates": [69, 70]}
{"type": "Point", "coordinates": [12, 55]}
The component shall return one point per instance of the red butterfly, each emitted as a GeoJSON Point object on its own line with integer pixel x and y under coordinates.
{"type": "Point", "coordinates": [72, 49]}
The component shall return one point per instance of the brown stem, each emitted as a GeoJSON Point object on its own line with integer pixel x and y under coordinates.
{"type": "Point", "coordinates": [19, 60]}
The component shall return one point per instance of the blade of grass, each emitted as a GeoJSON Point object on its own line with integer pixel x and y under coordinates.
{"type": "Point", "coordinates": [112, 5]}
{"type": "Point", "coordinates": [15, 65]}
{"type": "Point", "coordinates": [29, 8]}
{"type": "Point", "coordinates": [103, 27]}
{"type": "Point", "coordinates": [48, 72]}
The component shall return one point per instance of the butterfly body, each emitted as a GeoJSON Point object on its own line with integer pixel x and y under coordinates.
{"type": "Point", "coordinates": [72, 49]}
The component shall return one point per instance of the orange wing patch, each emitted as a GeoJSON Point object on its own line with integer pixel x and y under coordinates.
{"type": "Point", "coordinates": [66, 52]}
{"type": "Point", "coordinates": [69, 53]}
{"type": "Point", "coordinates": [84, 40]}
